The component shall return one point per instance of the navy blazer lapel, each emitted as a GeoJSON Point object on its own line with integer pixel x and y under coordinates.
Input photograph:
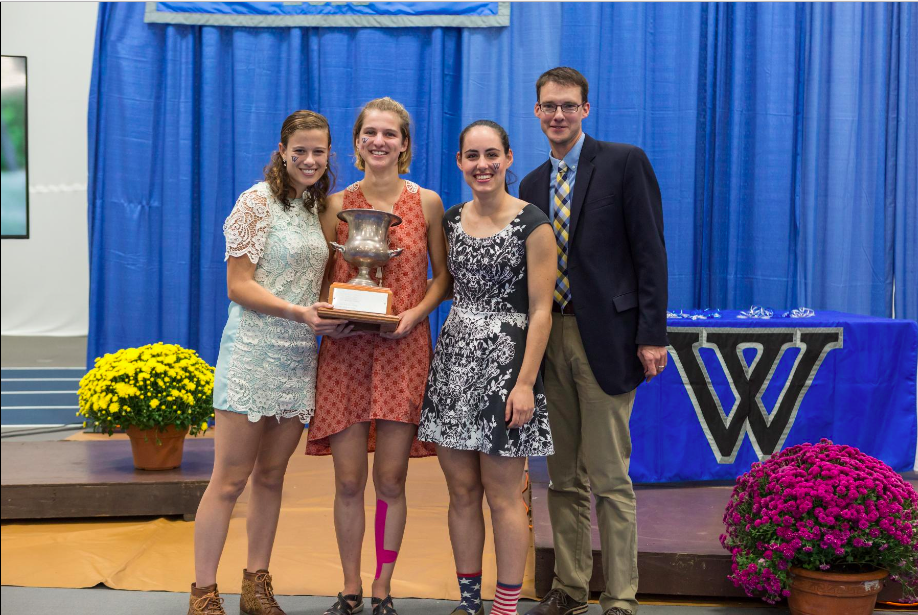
{"type": "Point", "coordinates": [582, 181]}
{"type": "Point", "coordinates": [543, 185]}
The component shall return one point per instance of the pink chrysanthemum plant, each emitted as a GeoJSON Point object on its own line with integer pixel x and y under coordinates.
{"type": "Point", "coordinates": [820, 506]}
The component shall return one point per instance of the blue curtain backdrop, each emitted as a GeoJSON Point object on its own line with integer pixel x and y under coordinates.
{"type": "Point", "coordinates": [784, 137]}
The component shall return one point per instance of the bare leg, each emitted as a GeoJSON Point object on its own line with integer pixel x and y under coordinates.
{"type": "Point", "coordinates": [277, 445]}
{"type": "Point", "coordinates": [501, 477]}
{"type": "Point", "coordinates": [466, 520]}
{"type": "Point", "coordinates": [349, 452]}
{"type": "Point", "coordinates": [390, 470]}
{"type": "Point", "coordinates": [236, 443]}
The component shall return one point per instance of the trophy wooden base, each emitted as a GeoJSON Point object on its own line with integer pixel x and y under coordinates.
{"type": "Point", "coordinates": [363, 321]}
{"type": "Point", "coordinates": [366, 308]}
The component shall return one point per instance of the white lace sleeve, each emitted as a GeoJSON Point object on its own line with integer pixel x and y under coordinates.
{"type": "Point", "coordinates": [246, 228]}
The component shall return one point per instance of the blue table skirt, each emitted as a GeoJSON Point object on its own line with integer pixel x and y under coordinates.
{"type": "Point", "coordinates": [737, 390]}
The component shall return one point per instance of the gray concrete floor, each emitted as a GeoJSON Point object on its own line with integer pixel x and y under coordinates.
{"type": "Point", "coordinates": [15, 433]}
{"type": "Point", "coordinates": [22, 600]}
{"type": "Point", "coordinates": [45, 351]}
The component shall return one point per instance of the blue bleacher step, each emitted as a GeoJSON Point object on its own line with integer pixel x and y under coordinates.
{"type": "Point", "coordinates": [9, 385]}
{"type": "Point", "coordinates": [40, 416]}
{"type": "Point", "coordinates": [38, 398]}
{"type": "Point", "coordinates": [40, 395]}
{"type": "Point", "coordinates": [42, 372]}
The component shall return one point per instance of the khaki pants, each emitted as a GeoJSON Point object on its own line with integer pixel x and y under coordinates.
{"type": "Point", "coordinates": [592, 453]}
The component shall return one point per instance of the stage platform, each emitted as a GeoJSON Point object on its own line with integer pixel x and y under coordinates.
{"type": "Point", "coordinates": [88, 479]}
{"type": "Point", "coordinates": [93, 478]}
{"type": "Point", "coordinates": [156, 554]}
{"type": "Point", "coordinates": [679, 528]}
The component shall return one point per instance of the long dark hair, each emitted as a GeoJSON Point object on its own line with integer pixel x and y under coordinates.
{"type": "Point", "coordinates": [504, 141]}
{"type": "Point", "coordinates": [276, 172]}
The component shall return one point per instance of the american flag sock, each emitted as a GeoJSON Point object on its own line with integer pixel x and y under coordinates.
{"type": "Point", "coordinates": [505, 599]}
{"type": "Point", "coordinates": [469, 591]}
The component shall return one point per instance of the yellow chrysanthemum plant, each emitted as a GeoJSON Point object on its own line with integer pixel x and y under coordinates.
{"type": "Point", "coordinates": [150, 387]}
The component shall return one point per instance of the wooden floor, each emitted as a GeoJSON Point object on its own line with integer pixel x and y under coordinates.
{"type": "Point", "coordinates": [65, 479]}
{"type": "Point", "coordinates": [679, 551]}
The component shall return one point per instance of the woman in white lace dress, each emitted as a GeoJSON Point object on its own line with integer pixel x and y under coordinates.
{"type": "Point", "coordinates": [264, 389]}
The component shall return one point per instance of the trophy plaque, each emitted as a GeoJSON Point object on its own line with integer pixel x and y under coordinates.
{"type": "Point", "coordinates": [366, 304]}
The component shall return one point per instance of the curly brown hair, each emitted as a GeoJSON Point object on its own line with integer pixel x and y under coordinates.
{"type": "Point", "coordinates": [276, 172]}
{"type": "Point", "coordinates": [404, 120]}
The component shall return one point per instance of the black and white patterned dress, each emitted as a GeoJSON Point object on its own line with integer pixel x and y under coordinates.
{"type": "Point", "coordinates": [481, 345]}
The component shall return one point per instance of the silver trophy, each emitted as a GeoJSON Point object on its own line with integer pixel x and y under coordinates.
{"type": "Point", "coordinates": [367, 244]}
{"type": "Point", "coordinates": [365, 304]}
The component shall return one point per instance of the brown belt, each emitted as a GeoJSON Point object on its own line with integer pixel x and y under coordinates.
{"type": "Point", "coordinates": [568, 309]}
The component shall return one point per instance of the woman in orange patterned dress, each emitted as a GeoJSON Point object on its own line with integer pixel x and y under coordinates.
{"type": "Point", "coordinates": [370, 387]}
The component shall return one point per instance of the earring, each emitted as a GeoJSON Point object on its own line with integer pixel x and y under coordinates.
{"type": "Point", "coordinates": [285, 162]}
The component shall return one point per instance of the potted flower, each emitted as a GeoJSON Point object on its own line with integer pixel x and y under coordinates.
{"type": "Point", "coordinates": [158, 393]}
{"type": "Point", "coordinates": [817, 516]}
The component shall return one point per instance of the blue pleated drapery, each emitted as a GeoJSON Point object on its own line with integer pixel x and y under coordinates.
{"type": "Point", "coordinates": [784, 137]}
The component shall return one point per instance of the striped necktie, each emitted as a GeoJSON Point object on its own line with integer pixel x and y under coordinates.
{"type": "Point", "coordinates": [561, 192]}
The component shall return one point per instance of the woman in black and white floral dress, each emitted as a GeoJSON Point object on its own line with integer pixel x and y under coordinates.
{"type": "Point", "coordinates": [484, 406]}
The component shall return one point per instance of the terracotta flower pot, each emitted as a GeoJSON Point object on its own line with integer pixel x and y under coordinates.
{"type": "Point", "coordinates": [148, 455]}
{"type": "Point", "coordinates": [813, 592]}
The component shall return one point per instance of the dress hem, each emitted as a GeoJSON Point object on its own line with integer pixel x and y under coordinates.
{"type": "Point", "coordinates": [321, 446]}
{"type": "Point", "coordinates": [255, 417]}
{"type": "Point", "coordinates": [478, 450]}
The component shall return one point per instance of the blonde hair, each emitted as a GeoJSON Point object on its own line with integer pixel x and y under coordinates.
{"type": "Point", "coordinates": [392, 106]}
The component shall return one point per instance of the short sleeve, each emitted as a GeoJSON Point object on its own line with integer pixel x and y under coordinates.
{"type": "Point", "coordinates": [451, 217]}
{"type": "Point", "coordinates": [246, 228]}
{"type": "Point", "coordinates": [532, 218]}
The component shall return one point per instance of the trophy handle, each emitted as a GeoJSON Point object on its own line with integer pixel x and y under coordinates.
{"type": "Point", "coordinates": [395, 252]}
{"type": "Point", "coordinates": [337, 246]}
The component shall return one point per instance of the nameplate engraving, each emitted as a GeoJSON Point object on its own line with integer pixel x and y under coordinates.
{"type": "Point", "coordinates": [360, 300]}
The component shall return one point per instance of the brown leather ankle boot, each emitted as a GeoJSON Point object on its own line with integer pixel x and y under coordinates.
{"type": "Point", "coordinates": [258, 595]}
{"type": "Point", "coordinates": [205, 601]}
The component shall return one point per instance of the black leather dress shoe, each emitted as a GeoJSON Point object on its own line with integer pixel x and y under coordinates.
{"type": "Point", "coordinates": [557, 602]}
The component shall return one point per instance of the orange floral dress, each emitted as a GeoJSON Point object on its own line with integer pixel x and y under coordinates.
{"type": "Point", "coordinates": [366, 378]}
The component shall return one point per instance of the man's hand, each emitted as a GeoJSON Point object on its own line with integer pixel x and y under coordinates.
{"type": "Point", "coordinates": [654, 359]}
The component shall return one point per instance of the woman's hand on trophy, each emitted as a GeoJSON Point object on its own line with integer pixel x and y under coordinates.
{"type": "Point", "coordinates": [323, 326]}
{"type": "Point", "coordinates": [520, 407]}
{"type": "Point", "coordinates": [407, 321]}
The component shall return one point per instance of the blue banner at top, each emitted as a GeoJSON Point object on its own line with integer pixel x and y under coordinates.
{"type": "Point", "coordinates": [332, 14]}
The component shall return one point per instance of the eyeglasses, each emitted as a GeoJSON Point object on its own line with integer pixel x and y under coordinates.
{"type": "Point", "coordinates": [566, 108]}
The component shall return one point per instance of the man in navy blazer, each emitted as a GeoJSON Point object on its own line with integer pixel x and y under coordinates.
{"type": "Point", "coordinates": [608, 335]}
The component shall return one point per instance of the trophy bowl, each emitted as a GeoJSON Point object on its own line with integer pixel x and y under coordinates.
{"type": "Point", "coordinates": [367, 244]}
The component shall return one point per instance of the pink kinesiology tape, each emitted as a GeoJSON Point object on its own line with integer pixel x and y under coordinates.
{"type": "Point", "coordinates": [383, 555]}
